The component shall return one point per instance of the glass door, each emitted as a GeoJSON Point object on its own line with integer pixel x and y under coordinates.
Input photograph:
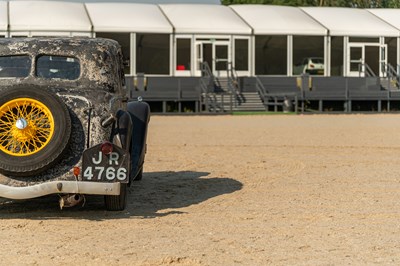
{"type": "Point", "coordinates": [372, 62]}
{"type": "Point", "coordinates": [367, 59]}
{"type": "Point", "coordinates": [221, 59]}
{"type": "Point", "coordinates": [204, 54]}
{"type": "Point", "coordinates": [216, 54]}
{"type": "Point", "coordinates": [355, 61]}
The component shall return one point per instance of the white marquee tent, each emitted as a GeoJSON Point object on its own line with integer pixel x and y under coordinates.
{"type": "Point", "coordinates": [390, 16]}
{"type": "Point", "coordinates": [128, 17]}
{"type": "Point", "coordinates": [185, 32]}
{"type": "Point", "coordinates": [3, 18]}
{"type": "Point", "coordinates": [204, 19]}
{"type": "Point", "coordinates": [278, 20]}
{"type": "Point", "coordinates": [48, 18]}
{"type": "Point", "coordinates": [351, 22]}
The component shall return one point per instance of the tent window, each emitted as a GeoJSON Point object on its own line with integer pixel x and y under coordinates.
{"type": "Point", "coordinates": [337, 56]}
{"type": "Point", "coordinates": [392, 51]}
{"type": "Point", "coordinates": [152, 53]}
{"type": "Point", "coordinates": [271, 55]}
{"type": "Point", "coordinates": [183, 54]}
{"type": "Point", "coordinates": [241, 54]}
{"type": "Point", "coordinates": [308, 55]}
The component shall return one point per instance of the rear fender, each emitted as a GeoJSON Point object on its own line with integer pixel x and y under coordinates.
{"type": "Point", "coordinates": [140, 115]}
{"type": "Point", "coordinates": [122, 130]}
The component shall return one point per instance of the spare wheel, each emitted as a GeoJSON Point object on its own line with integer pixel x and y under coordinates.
{"type": "Point", "coordinates": [35, 127]}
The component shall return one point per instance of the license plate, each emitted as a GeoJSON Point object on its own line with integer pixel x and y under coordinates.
{"type": "Point", "coordinates": [99, 167]}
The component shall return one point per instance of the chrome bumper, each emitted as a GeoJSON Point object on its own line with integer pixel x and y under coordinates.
{"type": "Point", "coordinates": [59, 187]}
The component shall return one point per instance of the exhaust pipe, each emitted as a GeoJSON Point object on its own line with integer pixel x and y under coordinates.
{"type": "Point", "coordinates": [71, 200]}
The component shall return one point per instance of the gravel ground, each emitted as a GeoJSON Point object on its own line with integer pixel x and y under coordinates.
{"type": "Point", "coordinates": [233, 190]}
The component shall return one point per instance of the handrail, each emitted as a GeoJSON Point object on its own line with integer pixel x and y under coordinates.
{"type": "Point", "coordinates": [389, 70]}
{"type": "Point", "coordinates": [266, 96]}
{"type": "Point", "coordinates": [260, 88]}
{"type": "Point", "coordinates": [204, 92]}
{"type": "Point", "coordinates": [233, 83]}
{"type": "Point", "coordinates": [364, 68]}
{"type": "Point", "coordinates": [391, 74]}
{"type": "Point", "coordinates": [205, 70]}
{"type": "Point", "coordinates": [261, 91]}
{"type": "Point", "coordinates": [231, 71]}
{"type": "Point", "coordinates": [207, 76]}
{"type": "Point", "coordinates": [209, 97]}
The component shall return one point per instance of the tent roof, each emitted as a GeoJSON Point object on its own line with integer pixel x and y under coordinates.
{"type": "Point", "coordinates": [128, 17]}
{"type": "Point", "coordinates": [215, 2]}
{"type": "Point", "coordinates": [3, 16]}
{"type": "Point", "coordinates": [48, 16]}
{"type": "Point", "coordinates": [390, 16]}
{"type": "Point", "coordinates": [204, 19]}
{"type": "Point", "coordinates": [351, 22]}
{"type": "Point", "coordinates": [266, 19]}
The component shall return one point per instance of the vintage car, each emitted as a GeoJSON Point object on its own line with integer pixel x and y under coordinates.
{"type": "Point", "coordinates": [67, 126]}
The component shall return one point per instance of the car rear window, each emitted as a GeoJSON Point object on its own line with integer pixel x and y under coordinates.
{"type": "Point", "coordinates": [15, 66]}
{"type": "Point", "coordinates": [317, 60]}
{"type": "Point", "coordinates": [58, 67]}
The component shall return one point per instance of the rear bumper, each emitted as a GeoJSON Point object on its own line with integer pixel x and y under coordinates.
{"type": "Point", "coordinates": [59, 187]}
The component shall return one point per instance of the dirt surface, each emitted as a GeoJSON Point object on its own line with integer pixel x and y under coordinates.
{"type": "Point", "coordinates": [250, 190]}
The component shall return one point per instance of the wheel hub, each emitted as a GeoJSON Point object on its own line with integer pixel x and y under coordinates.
{"type": "Point", "coordinates": [22, 132]}
{"type": "Point", "coordinates": [21, 123]}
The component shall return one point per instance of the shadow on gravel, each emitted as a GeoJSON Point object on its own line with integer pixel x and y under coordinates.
{"type": "Point", "coordinates": [158, 194]}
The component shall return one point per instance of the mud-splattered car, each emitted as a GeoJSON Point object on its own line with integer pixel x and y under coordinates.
{"type": "Point", "coordinates": [66, 125]}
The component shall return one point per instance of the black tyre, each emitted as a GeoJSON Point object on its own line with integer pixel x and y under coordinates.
{"type": "Point", "coordinates": [35, 128]}
{"type": "Point", "coordinates": [139, 176]}
{"type": "Point", "coordinates": [117, 202]}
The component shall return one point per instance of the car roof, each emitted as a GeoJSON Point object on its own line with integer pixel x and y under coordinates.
{"type": "Point", "coordinates": [94, 54]}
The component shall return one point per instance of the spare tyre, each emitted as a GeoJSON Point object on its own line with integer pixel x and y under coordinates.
{"type": "Point", "coordinates": [35, 128]}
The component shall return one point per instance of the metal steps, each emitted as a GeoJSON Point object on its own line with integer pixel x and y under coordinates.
{"type": "Point", "coordinates": [225, 95]}
{"type": "Point", "coordinates": [222, 102]}
{"type": "Point", "coordinates": [222, 84]}
{"type": "Point", "coordinates": [389, 83]}
{"type": "Point", "coordinates": [250, 101]}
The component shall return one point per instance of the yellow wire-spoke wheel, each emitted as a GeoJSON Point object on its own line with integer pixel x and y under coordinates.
{"type": "Point", "coordinates": [26, 126]}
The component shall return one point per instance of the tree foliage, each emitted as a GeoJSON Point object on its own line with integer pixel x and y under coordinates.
{"type": "Point", "coordinates": [335, 3]}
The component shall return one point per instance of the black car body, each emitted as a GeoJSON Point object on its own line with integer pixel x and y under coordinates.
{"type": "Point", "coordinates": [66, 125]}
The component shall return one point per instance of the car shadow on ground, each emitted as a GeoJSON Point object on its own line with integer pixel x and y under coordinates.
{"type": "Point", "coordinates": [157, 194]}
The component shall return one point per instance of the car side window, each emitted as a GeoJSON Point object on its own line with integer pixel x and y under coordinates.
{"type": "Point", "coordinates": [15, 66]}
{"type": "Point", "coordinates": [58, 67]}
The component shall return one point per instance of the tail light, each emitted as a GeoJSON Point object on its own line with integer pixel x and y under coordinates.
{"type": "Point", "coordinates": [311, 66]}
{"type": "Point", "coordinates": [106, 148]}
{"type": "Point", "coordinates": [77, 171]}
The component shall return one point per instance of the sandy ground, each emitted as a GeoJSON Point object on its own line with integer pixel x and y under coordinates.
{"type": "Point", "coordinates": [254, 190]}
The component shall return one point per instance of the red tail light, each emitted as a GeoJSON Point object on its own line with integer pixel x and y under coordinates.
{"type": "Point", "coordinates": [77, 171]}
{"type": "Point", "coordinates": [311, 66]}
{"type": "Point", "coordinates": [106, 148]}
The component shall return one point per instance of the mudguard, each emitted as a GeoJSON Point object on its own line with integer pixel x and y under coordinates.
{"type": "Point", "coordinates": [140, 115]}
{"type": "Point", "coordinates": [123, 129]}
